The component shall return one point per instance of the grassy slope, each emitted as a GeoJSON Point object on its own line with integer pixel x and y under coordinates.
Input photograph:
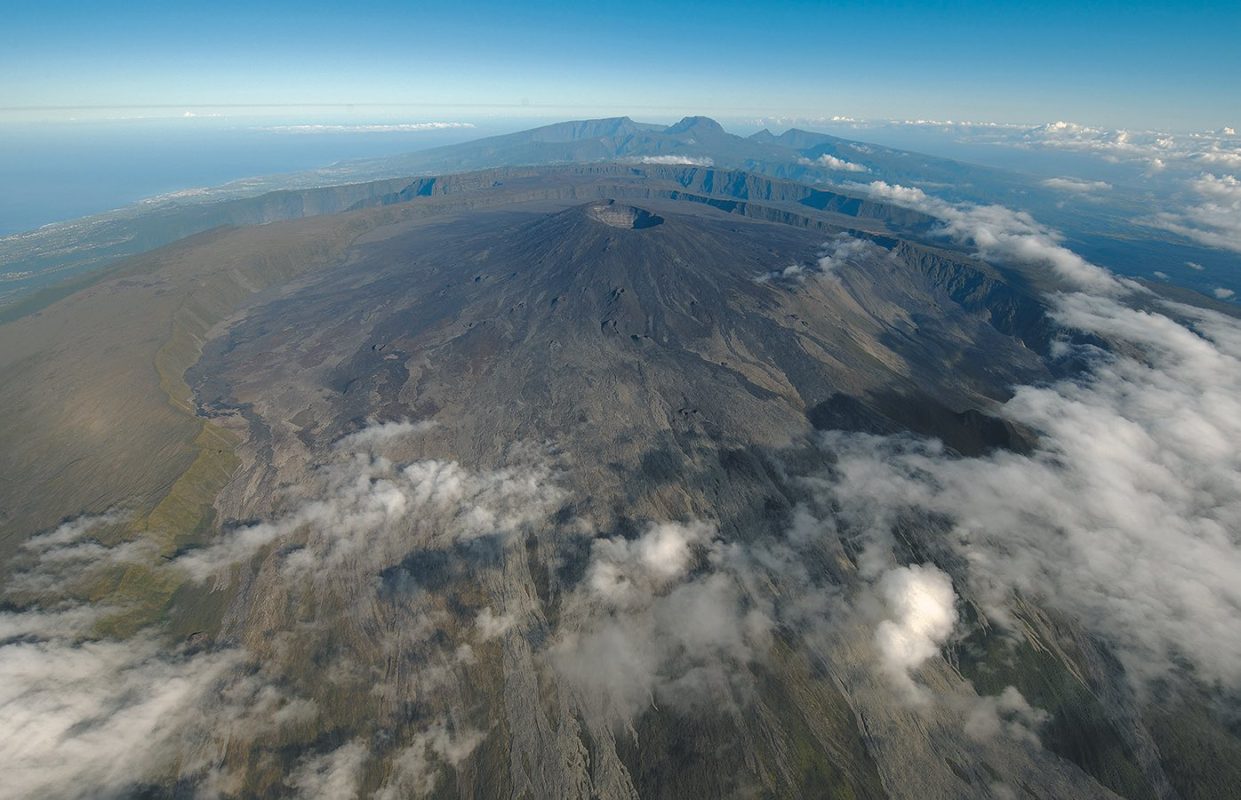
{"type": "Point", "coordinates": [97, 410]}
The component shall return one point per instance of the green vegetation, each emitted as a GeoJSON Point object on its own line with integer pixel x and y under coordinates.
{"type": "Point", "coordinates": [218, 272]}
{"type": "Point", "coordinates": [1080, 728]}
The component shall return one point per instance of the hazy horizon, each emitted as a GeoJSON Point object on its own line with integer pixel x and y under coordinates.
{"type": "Point", "coordinates": [1146, 65]}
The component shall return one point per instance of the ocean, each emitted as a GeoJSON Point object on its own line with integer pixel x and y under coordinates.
{"type": "Point", "coordinates": [53, 172]}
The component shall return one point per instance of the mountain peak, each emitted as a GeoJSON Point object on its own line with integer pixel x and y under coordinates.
{"type": "Point", "coordinates": [579, 130]}
{"type": "Point", "coordinates": [699, 125]}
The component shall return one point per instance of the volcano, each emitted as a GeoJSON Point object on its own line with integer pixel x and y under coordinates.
{"type": "Point", "coordinates": [510, 484]}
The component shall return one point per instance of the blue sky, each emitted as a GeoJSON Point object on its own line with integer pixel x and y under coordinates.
{"type": "Point", "coordinates": [1140, 64]}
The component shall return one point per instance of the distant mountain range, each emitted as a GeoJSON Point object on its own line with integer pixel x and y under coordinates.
{"type": "Point", "coordinates": [1105, 232]}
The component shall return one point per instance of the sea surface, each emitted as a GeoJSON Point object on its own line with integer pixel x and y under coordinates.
{"type": "Point", "coordinates": [53, 172]}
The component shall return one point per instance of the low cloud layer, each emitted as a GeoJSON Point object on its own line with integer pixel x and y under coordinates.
{"type": "Point", "coordinates": [831, 162]}
{"type": "Point", "coordinates": [1008, 714]}
{"type": "Point", "coordinates": [660, 619]}
{"type": "Point", "coordinates": [364, 506]}
{"type": "Point", "coordinates": [416, 767]}
{"type": "Point", "coordinates": [1152, 150]}
{"type": "Point", "coordinates": [91, 716]}
{"type": "Point", "coordinates": [837, 251]}
{"type": "Point", "coordinates": [331, 775]}
{"type": "Point", "coordinates": [413, 770]}
{"type": "Point", "coordinates": [1125, 517]}
{"type": "Point", "coordinates": [72, 553]}
{"type": "Point", "coordinates": [1004, 235]}
{"type": "Point", "coordinates": [390, 127]}
{"type": "Point", "coordinates": [1213, 218]}
{"type": "Point", "coordinates": [1076, 186]}
{"type": "Point", "coordinates": [686, 161]}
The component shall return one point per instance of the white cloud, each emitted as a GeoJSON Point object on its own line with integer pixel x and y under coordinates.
{"type": "Point", "coordinates": [394, 127]}
{"type": "Point", "coordinates": [97, 718]}
{"type": "Point", "coordinates": [793, 272]}
{"type": "Point", "coordinates": [73, 530]}
{"type": "Point", "coordinates": [91, 719]}
{"type": "Point", "coordinates": [1155, 150]}
{"type": "Point", "coordinates": [922, 613]}
{"type": "Point", "coordinates": [1150, 150]}
{"type": "Point", "coordinates": [687, 161]}
{"type": "Point", "coordinates": [491, 625]}
{"type": "Point", "coordinates": [72, 553]}
{"type": "Point", "coordinates": [416, 767]}
{"type": "Point", "coordinates": [647, 626]}
{"type": "Point", "coordinates": [837, 251]}
{"type": "Point", "coordinates": [86, 717]}
{"type": "Point", "coordinates": [627, 572]}
{"type": "Point", "coordinates": [364, 506]}
{"type": "Point", "coordinates": [843, 249]}
{"type": "Point", "coordinates": [1076, 186]}
{"type": "Point", "coordinates": [1125, 515]}
{"type": "Point", "coordinates": [1227, 159]}
{"type": "Point", "coordinates": [378, 434]}
{"type": "Point", "coordinates": [1005, 235]}
{"type": "Point", "coordinates": [1009, 715]}
{"type": "Point", "coordinates": [331, 776]}
{"type": "Point", "coordinates": [1222, 293]}
{"type": "Point", "coordinates": [833, 163]}
{"type": "Point", "coordinates": [1214, 220]}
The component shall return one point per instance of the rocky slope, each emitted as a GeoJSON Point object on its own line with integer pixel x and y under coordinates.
{"type": "Point", "coordinates": [516, 484]}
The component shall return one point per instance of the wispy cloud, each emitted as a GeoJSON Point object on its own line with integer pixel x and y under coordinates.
{"type": "Point", "coordinates": [364, 506]}
{"type": "Point", "coordinates": [378, 434]}
{"type": "Point", "coordinates": [332, 775]}
{"type": "Point", "coordinates": [72, 553]}
{"type": "Point", "coordinates": [1008, 714]}
{"type": "Point", "coordinates": [1151, 150]}
{"type": "Point", "coordinates": [416, 767]}
{"type": "Point", "coordinates": [1076, 186]}
{"type": "Point", "coordinates": [837, 251]}
{"type": "Point", "coordinates": [687, 161]}
{"type": "Point", "coordinates": [646, 626]}
{"type": "Point", "coordinates": [1214, 219]}
{"type": "Point", "coordinates": [87, 716]}
{"type": "Point", "coordinates": [95, 718]}
{"type": "Point", "coordinates": [1122, 518]}
{"type": "Point", "coordinates": [389, 127]}
{"type": "Point", "coordinates": [1002, 234]}
{"type": "Point", "coordinates": [833, 163]}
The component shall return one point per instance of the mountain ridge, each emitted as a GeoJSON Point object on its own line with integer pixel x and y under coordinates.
{"type": "Point", "coordinates": [66, 251]}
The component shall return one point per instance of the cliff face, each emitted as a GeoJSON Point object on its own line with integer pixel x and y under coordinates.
{"type": "Point", "coordinates": [60, 252]}
{"type": "Point", "coordinates": [79, 250]}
